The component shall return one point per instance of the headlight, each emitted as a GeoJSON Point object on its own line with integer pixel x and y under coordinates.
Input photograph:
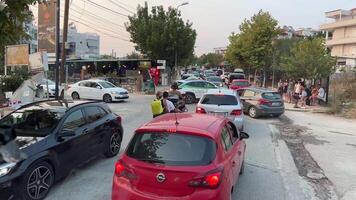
{"type": "Point", "coordinates": [114, 92]}
{"type": "Point", "coordinates": [6, 168]}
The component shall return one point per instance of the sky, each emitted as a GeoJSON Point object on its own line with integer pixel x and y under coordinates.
{"type": "Point", "coordinates": [214, 20]}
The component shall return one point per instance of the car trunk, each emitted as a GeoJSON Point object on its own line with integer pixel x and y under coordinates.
{"type": "Point", "coordinates": [273, 98]}
{"type": "Point", "coordinates": [219, 110]}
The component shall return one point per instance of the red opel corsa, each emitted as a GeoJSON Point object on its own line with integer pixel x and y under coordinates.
{"type": "Point", "coordinates": [183, 156]}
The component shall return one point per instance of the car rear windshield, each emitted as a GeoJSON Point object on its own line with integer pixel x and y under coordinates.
{"type": "Point", "coordinates": [241, 83]}
{"type": "Point", "coordinates": [172, 149]}
{"type": "Point", "coordinates": [217, 99]}
{"type": "Point", "coordinates": [237, 76]}
{"type": "Point", "coordinates": [271, 95]}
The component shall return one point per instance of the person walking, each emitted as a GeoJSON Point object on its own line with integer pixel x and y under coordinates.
{"type": "Point", "coordinates": [309, 94]}
{"type": "Point", "coordinates": [290, 89]}
{"type": "Point", "coordinates": [314, 96]}
{"type": "Point", "coordinates": [157, 106]}
{"type": "Point", "coordinates": [297, 92]}
{"type": "Point", "coordinates": [280, 87]}
{"type": "Point", "coordinates": [167, 104]}
{"type": "Point", "coordinates": [303, 96]}
{"type": "Point", "coordinates": [321, 94]}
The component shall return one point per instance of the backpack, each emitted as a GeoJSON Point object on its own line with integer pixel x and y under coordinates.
{"type": "Point", "coordinates": [157, 107]}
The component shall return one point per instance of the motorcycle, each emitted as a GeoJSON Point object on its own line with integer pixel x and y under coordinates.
{"type": "Point", "coordinates": [178, 103]}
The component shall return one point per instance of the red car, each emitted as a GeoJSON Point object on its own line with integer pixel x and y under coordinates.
{"type": "Point", "coordinates": [239, 84]}
{"type": "Point", "coordinates": [182, 156]}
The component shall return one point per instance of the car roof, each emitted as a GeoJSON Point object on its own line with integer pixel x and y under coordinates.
{"type": "Point", "coordinates": [188, 123]}
{"type": "Point", "coordinates": [221, 91]}
{"type": "Point", "coordinates": [59, 105]}
{"type": "Point", "coordinates": [240, 80]}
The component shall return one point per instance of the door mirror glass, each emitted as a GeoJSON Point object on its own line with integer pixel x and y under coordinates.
{"type": "Point", "coordinates": [98, 87]}
{"type": "Point", "coordinates": [67, 133]}
{"type": "Point", "coordinates": [244, 135]}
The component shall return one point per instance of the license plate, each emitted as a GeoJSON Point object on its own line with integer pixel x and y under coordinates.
{"type": "Point", "coordinates": [224, 114]}
{"type": "Point", "coordinates": [276, 104]}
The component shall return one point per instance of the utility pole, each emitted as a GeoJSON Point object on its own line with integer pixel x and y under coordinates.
{"type": "Point", "coordinates": [64, 40]}
{"type": "Point", "coordinates": [58, 10]}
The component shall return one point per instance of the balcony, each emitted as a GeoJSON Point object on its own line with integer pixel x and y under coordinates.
{"type": "Point", "coordinates": [341, 41]}
{"type": "Point", "coordinates": [338, 24]}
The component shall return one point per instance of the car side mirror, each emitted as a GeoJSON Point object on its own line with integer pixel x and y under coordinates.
{"type": "Point", "coordinates": [98, 87]}
{"type": "Point", "coordinates": [66, 133]}
{"type": "Point", "coordinates": [244, 135]}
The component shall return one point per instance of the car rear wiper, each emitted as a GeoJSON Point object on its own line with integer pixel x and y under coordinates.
{"type": "Point", "coordinates": [151, 160]}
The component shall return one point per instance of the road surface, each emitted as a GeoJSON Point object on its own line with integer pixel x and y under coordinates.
{"type": "Point", "coordinates": [270, 173]}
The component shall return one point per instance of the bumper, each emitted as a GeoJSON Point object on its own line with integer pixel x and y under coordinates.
{"type": "Point", "coordinates": [7, 191]}
{"type": "Point", "coordinates": [265, 110]}
{"type": "Point", "coordinates": [120, 97]}
{"type": "Point", "coordinates": [122, 189]}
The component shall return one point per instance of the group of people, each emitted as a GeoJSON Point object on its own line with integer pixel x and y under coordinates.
{"type": "Point", "coordinates": [301, 94]}
{"type": "Point", "coordinates": [166, 102]}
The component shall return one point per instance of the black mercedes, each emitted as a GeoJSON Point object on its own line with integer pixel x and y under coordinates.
{"type": "Point", "coordinates": [42, 142]}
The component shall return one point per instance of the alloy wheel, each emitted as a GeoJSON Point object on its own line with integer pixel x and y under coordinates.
{"type": "Point", "coordinates": [115, 143]}
{"type": "Point", "coordinates": [252, 112]}
{"type": "Point", "coordinates": [39, 182]}
{"type": "Point", "coordinates": [75, 95]}
{"type": "Point", "coordinates": [107, 98]}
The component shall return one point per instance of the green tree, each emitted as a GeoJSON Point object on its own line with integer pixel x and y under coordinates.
{"type": "Point", "coordinates": [13, 14]}
{"type": "Point", "coordinates": [134, 55]}
{"type": "Point", "coordinates": [161, 34]}
{"type": "Point", "coordinates": [211, 60]}
{"type": "Point", "coordinates": [309, 59]}
{"type": "Point", "coordinates": [252, 49]}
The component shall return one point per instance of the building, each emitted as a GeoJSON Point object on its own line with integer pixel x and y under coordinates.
{"type": "Point", "coordinates": [31, 31]}
{"type": "Point", "coordinates": [306, 32]}
{"type": "Point", "coordinates": [82, 45]}
{"type": "Point", "coordinates": [341, 36]}
{"type": "Point", "coordinates": [220, 50]}
{"type": "Point", "coordinates": [287, 32]}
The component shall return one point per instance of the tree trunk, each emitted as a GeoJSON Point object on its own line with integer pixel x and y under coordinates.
{"type": "Point", "coordinates": [264, 78]}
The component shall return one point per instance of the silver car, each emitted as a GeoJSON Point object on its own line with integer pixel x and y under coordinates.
{"type": "Point", "coordinates": [222, 102]}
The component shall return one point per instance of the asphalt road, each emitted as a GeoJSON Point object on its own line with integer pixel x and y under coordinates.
{"type": "Point", "coordinates": [269, 174]}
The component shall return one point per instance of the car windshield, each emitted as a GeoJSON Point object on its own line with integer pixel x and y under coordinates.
{"type": "Point", "coordinates": [44, 82]}
{"type": "Point", "coordinates": [241, 83]}
{"type": "Point", "coordinates": [271, 95]}
{"type": "Point", "coordinates": [32, 121]}
{"type": "Point", "coordinates": [106, 84]}
{"type": "Point", "coordinates": [218, 99]}
{"type": "Point", "coordinates": [213, 79]}
{"type": "Point", "coordinates": [172, 149]}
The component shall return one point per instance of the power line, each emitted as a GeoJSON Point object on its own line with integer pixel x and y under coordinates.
{"type": "Point", "coordinates": [117, 4]}
{"type": "Point", "coordinates": [105, 8]}
{"type": "Point", "coordinates": [127, 5]}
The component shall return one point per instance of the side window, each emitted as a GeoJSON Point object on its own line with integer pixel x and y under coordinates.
{"type": "Point", "coordinates": [234, 133]}
{"type": "Point", "coordinates": [240, 93]}
{"type": "Point", "coordinates": [200, 84]}
{"type": "Point", "coordinates": [226, 139]}
{"type": "Point", "coordinates": [249, 93]}
{"type": "Point", "coordinates": [84, 84]}
{"type": "Point", "coordinates": [209, 85]}
{"type": "Point", "coordinates": [74, 120]}
{"type": "Point", "coordinates": [94, 113]}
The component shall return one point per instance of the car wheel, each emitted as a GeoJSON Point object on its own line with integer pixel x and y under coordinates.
{"type": "Point", "coordinates": [37, 181]}
{"type": "Point", "coordinates": [242, 169]}
{"type": "Point", "coordinates": [114, 145]}
{"type": "Point", "coordinates": [189, 98]}
{"type": "Point", "coordinates": [107, 98]}
{"type": "Point", "coordinates": [252, 112]}
{"type": "Point", "coordinates": [75, 96]}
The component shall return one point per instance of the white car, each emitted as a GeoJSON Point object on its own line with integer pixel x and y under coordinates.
{"type": "Point", "coordinates": [51, 87]}
{"type": "Point", "coordinates": [195, 89]}
{"type": "Point", "coordinates": [97, 90]}
{"type": "Point", "coordinates": [222, 102]}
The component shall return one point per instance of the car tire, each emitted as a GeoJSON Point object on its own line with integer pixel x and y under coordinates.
{"type": "Point", "coordinates": [37, 181]}
{"type": "Point", "coordinates": [114, 145]}
{"type": "Point", "coordinates": [189, 98]}
{"type": "Point", "coordinates": [75, 96]}
{"type": "Point", "coordinates": [107, 98]}
{"type": "Point", "coordinates": [242, 169]}
{"type": "Point", "coordinates": [252, 112]}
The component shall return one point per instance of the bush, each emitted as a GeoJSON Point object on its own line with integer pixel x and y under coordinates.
{"type": "Point", "coordinates": [14, 80]}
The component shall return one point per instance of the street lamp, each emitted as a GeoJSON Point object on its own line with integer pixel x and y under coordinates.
{"type": "Point", "coordinates": [176, 50]}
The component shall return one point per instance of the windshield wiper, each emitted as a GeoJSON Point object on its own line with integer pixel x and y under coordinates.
{"type": "Point", "coordinates": [151, 160]}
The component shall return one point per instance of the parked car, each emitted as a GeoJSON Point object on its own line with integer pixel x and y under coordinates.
{"type": "Point", "coordinates": [238, 70]}
{"type": "Point", "coordinates": [261, 102]}
{"type": "Point", "coordinates": [54, 137]}
{"type": "Point", "coordinates": [233, 76]}
{"type": "Point", "coordinates": [215, 80]}
{"type": "Point", "coordinates": [239, 84]}
{"type": "Point", "coordinates": [195, 89]}
{"type": "Point", "coordinates": [181, 156]}
{"type": "Point", "coordinates": [51, 87]}
{"type": "Point", "coordinates": [97, 90]}
{"type": "Point", "coordinates": [222, 102]}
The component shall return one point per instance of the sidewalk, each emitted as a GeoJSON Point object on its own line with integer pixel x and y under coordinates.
{"type": "Point", "coordinates": [312, 109]}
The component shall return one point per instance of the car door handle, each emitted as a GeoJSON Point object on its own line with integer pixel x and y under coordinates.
{"type": "Point", "coordinates": [85, 131]}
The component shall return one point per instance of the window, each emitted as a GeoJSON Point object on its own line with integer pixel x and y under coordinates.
{"type": "Point", "coordinates": [84, 84]}
{"type": "Point", "coordinates": [209, 85]}
{"type": "Point", "coordinates": [74, 120]}
{"type": "Point", "coordinates": [172, 149]}
{"type": "Point", "coordinates": [93, 85]}
{"type": "Point", "coordinates": [241, 83]}
{"type": "Point", "coordinates": [196, 84]}
{"type": "Point", "coordinates": [249, 93]}
{"type": "Point", "coordinates": [106, 84]}
{"type": "Point", "coordinates": [94, 113]}
{"type": "Point", "coordinates": [234, 133]}
{"type": "Point", "coordinates": [271, 95]}
{"type": "Point", "coordinates": [226, 138]}
{"type": "Point", "coordinates": [215, 99]}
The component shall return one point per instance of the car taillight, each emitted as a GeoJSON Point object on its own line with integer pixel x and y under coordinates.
{"type": "Point", "coordinates": [200, 110]}
{"type": "Point", "coordinates": [121, 170]}
{"type": "Point", "coordinates": [210, 180]}
{"type": "Point", "coordinates": [236, 112]}
{"type": "Point", "coordinates": [119, 119]}
{"type": "Point", "coordinates": [264, 102]}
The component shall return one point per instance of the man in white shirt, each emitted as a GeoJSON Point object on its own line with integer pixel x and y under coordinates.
{"type": "Point", "coordinates": [321, 94]}
{"type": "Point", "coordinates": [168, 105]}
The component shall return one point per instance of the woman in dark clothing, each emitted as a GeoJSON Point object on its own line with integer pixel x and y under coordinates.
{"type": "Point", "coordinates": [309, 94]}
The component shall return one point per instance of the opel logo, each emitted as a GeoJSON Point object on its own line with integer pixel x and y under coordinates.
{"type": "Point", "coordinates": [161, 177]}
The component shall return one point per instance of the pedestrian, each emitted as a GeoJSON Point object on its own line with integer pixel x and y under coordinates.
{"type": "Point", "coordinates": [280, 87]}
{"type": "Point", "coordinates": [321, 95]}
{"type": "Point", "coordinates": [167, 104]}
{"type": "Point", "coordinates": [309, 94]}
{"type": "Point", "coordinates": [303, 96]}
{"type": "Point", "coordinates": [314, 96]}
{"type": "Point", "coordinates": [297, 92]}
{"type": "Point", "coordinates": [157, 106]}
{"type": "Point", "coordinates": [290, 89]}
{"type": "Point", "coordinates": [285, 89]}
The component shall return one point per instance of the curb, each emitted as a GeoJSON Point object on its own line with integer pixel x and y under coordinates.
{"type": "Point", "coordinates": [306, 110]}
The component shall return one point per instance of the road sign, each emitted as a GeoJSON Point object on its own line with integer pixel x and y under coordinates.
{"type": "Point", "coordinates": [161, 64]}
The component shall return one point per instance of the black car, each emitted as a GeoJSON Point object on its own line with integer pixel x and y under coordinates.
{"type": "Point", "coordinates": [54, 137]}
{"type": "Point", "coordinates": [261, 102]}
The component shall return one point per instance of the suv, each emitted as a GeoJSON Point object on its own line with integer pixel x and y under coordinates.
{"type": "Point", "coordinates": [261, 102]}
{"type": "Point", "coordinates": [222, 102]}
{"type": "Point", "coordinates": [53, 138]}
{"type": "Point", "coordinates": [195, 89]}
{"type": "Point", "coordinates": [181, 156]}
